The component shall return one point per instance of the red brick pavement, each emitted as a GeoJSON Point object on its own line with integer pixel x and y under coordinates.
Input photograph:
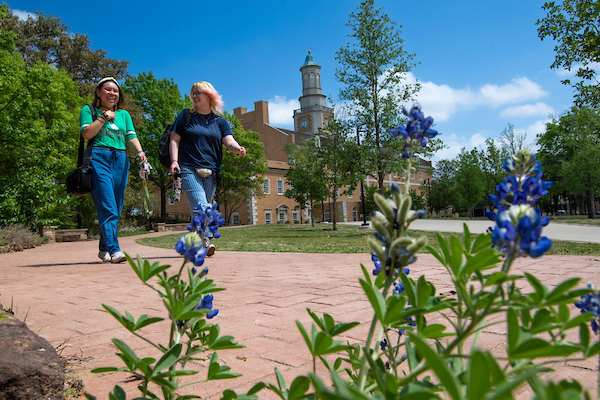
{"type": "Point", "coordinates": [60, 287]}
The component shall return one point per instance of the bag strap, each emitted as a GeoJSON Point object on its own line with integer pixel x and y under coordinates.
{"type": "Point", "coordinates": [81, 158]}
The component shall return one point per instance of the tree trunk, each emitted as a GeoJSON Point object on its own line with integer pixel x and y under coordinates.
{"type": "Point", "coordinates": [334, 216]}
{"type": "Point", "coordinates": [591, 204]}
{"type": "Point", "coordinates": [312, 213]}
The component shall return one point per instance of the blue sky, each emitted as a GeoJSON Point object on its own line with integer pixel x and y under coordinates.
{"type": "Point", "coordinates": [481, 63]}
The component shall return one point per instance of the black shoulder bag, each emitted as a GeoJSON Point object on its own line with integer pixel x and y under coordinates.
{"type": "Point", "coordinates": [79, 181]}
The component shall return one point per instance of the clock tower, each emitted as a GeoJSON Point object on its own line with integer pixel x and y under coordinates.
{"type": "Point", "coordinates": [313, 110]}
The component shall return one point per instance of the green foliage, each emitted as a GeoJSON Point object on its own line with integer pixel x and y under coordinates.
{"type": "Point", "coordinates": [190, 335]}
{"type": "Point", "coordinates": [570, 148]}
{"type": "Point", "coordinates": [241, 177]}
{"type": "Point", "coordinates": [46, 39]}
{"type": "Point", "coordinates": [575, 27]}
{"type": "Point", "coordinates": [372, 68]}
{"type": "Point", "coordinates": [38, 134]}
{"type": "Point", "coordinates": [306, 176]}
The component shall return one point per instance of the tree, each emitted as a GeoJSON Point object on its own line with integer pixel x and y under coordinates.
{"type": "Point", "coordinates": [443, 190]}
{"type": "Point", "coordinates": [491, 159]}
{"type": "Point", "coordinates": [572, 145]}
{"type": "Point", "coordinates": [339, 156]}
{"type": "Point", "coordinates": [305, 176]}
{"type": "Point", "coordinates": [511, 142]}
{"type": "Point", "coordinates": [46, 39]}
{"type": "Point", "coordinates": [160, 102]}
{"type": "Point", "coordinates": [39, 127]}
{"type": "Point", "coordinates": [575, 26]}
{"type": "Point", "coordinates": [241, 177]}
{"type": "Point", "coordinates": [469, 181]}
{"type": "Point", "coordinates": [372, 68]}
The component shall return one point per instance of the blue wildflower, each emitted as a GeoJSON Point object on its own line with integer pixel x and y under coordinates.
{"type": "Point", "coordinates": [591, 303]}
{"type": "Point", "coordinates": [190, 246]}
{"type": "Point", "coordinates": [416, 129]}
{"type": "Point", "coordinates": [207, 304]}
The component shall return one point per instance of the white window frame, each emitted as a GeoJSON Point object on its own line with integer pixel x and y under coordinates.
{"type": "Point", "coordinates": [350, 194]}
{"type": "Point", "coordinates": [235, 218]}
{"type": "Point", "coordinates": [267, 186]}
{"type": "Point", "coordinates": [295, 216]}
{"type": "Point", "coordinates": [268, 217]}
{"type": "Point", "coordinates": [280, 187]}
{"type": "Point", "coordinates": [281, 216]}
{"type": "Point", "coordinates": [420, 176]}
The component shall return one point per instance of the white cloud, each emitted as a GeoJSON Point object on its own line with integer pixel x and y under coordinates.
{"type": "Point", "coordinates": [532, 131]}
{"type": "Point", "coordinates": [454, 144]}
{"type": "Point", "coordinates": [443, 101]}
{"type": "Point", "coordinates": [527, 110]}
{"type": "Point", "coordinates": [281, 111]}
{"type": "Point", "coordinates": [23, 15]}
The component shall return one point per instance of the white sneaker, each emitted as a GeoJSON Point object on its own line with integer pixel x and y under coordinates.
{"type": "Point", "coordinates": [210, 248]}
{"type": "Point", "coordinates": [117, 257]}
{"type": "Point", "coordinates": [104, 256]}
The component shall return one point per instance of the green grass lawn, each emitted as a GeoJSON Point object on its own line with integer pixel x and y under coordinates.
{"type": "Point", "coordinates": [321, 239]}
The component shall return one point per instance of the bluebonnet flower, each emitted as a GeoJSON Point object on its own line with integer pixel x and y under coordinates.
{"type": "Point", "coordinates": [378, 267]}
{"type": "Point", "coordinates": [207, 304]}
{"type": "Point", "coordinates": [416, 129]}
{"type": "Point", "coordinates": [518, 224]}
{"type": "Point", "coordinates": [191, 246]}
{"type": "Point", "coordinates": [591, 303]}
{"type": "Point", "coordinates": [383, 344]}
{"type": "Point", "coordinates": [524, 184]}
{"type": "Point", "coordinates": [209, 218]}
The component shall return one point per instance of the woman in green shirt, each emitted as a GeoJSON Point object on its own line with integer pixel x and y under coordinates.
{"type": "Point", "coordinates": [109, 134]}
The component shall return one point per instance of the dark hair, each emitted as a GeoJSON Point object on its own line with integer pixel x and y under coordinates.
{"type": "Point", "coordinates": [120, 104]}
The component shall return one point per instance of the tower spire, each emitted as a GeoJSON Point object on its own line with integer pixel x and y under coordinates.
{"type": "Point", "coordinates": [308, 33]}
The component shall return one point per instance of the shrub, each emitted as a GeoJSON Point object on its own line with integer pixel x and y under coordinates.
{"type": "Point", "coordinates": [17, 238]}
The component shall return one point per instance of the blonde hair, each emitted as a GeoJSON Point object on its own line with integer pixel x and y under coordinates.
{"type": "Point", "coordinates": [216, 103]}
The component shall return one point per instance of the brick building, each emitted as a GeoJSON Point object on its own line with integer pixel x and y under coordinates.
{"type": "Point", "coordinates": [273, 207]}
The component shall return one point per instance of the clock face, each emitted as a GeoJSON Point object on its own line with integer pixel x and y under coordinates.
{"type": "Point", "coordinates": [304, 124]}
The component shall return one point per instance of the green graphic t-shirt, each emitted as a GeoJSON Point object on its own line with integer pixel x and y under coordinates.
{"type": "Point", "coordinates": [114, 133]}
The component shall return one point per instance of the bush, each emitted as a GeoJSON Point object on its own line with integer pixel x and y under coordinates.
{"type": "Point", "coordinates": [17, 238]}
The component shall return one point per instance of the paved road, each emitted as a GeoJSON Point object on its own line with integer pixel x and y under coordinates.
{"type": "Point", "coordinates": [554, 230]}
{"type": "Point", "coordinates": [60, 287]}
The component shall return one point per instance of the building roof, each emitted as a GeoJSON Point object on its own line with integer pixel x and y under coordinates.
{"type": "Point", "coordinates": [309, 60]}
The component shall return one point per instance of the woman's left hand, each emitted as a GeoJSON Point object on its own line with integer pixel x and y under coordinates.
{"type": "Point", "coordinates": [142, 157]}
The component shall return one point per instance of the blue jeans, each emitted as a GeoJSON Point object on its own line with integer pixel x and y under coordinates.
{"type": "Point", "coordinates": [197, 190]}
{"type": "Point", "coordinates": [109, 179]}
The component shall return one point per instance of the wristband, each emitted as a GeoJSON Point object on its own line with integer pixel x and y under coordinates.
{"type": "Point", "coordinates": [141, 151]}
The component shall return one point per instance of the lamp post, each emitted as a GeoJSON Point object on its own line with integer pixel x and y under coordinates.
{"type": "Point", "coordinates": [362, 189]}
{"type": "Point", "coordinates": [428, 183]}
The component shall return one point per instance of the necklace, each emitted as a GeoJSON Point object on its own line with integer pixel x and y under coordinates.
{"type": "Point", "coordinates": [205, 119]}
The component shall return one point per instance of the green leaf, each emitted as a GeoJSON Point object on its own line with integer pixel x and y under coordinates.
{"type": "Point", "coordinates": [376, 299]}
{"type": "Point", "coordinates": [395, 308]}
{"type": "Point", "coordinates": [168, 359]}
{"type": "Point", "coordinates": [438, 366]}
{"type": "Point", "coordinates": [542, 321]}
{"type": "Point", "coordinates": [536, 347]}
{"type": "Point", "coordinates": [561, 289]}
{"type": "Point", "coordinates": [131, 356]}
{"type": "Point", "coordinates": [485, 259]}
{"type": "Point", "coordinates": [225, 343]}
{"type": "Point", "coordinates": [299, 387]}
{"type": "Point", "coordinates": [433, 331]}
{"type": "Point", "coordinates": [483, 241]}
{"type": "Point", "coordinates": [513, 331]}
{"type": "Point", "coordinates": [217, 371]}
{"type": "Point", "coordinates": [593, 350]}
{"type": "Point", "coordinates": [584, 335]}
{"type": "Point", "coordinates": [479, 377]}
{"type": "Point", "coordinates": [144, 320]}
{"type": "Point", "coordinates": [456, 255]}
{"type": "Point", "coordinates": [117, 394]}
{"type": "Point", "coordinates": [540, 289]}
{"type": "Point", "coordinates": [424, 291]}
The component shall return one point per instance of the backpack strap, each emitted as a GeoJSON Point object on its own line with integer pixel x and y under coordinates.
{"type": "Point", "coordinates": [88, 151]}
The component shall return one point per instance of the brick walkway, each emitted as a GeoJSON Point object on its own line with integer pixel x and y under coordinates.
{"type": "Point", "coordinates": [60, 287]}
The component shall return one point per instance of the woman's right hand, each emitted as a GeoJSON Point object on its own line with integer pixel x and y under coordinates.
{"type": "Point", "coordinates": [175, 168]}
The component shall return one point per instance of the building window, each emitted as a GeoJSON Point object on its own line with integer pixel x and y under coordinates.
{"type": "Point", "coordinates": [327, 215]}
{"type": "Point", "coordinates": [170, 201]}
{"type": "Point", "coordinates": [291, 185]}
{"type": "Point", "coordinates": [235, 218]}
{"type": "Point", "coordinates": [280, 187]}
{"type": "Point", "coordinates": [420, 176]}
{"type": "Point", "coordinates": [268, 217]}
{"type": "Point", "coordinates": [354, 214]}
{"type": "Point", "coordinates": [412, 175]}
{"type": "Point", "coordinates": [267, 186]}
{"type": "Point", "coordinates": [295, 216]}
{"type": "Point", "coordinates": [281, 217]}
{"type": "Point", "coordinates": [337, 193]}
{"type": "Point", "coordinates": [350, 194]}
{"type": "Point", "coordinates": [404, 174]}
